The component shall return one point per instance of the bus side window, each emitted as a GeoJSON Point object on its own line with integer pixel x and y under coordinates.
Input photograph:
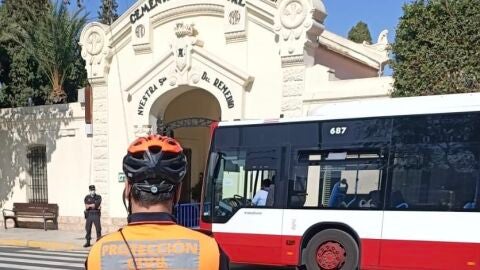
{"type": "Point", "coordinates": [349, 180]}
{"type": "Point", "coordinates": [431, 178]}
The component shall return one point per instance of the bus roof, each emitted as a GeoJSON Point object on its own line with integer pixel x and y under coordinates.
{"type": "Point", "coordinates": [380, 107]}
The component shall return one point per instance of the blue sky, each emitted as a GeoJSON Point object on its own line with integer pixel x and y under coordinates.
{"type": "Point", "coordinates": [378, 14]}
{"type": "Point", "coordinates": [342, 15]}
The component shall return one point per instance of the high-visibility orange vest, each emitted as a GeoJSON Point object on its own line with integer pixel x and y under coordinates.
{"type": "Point", "coordinates": [153, 241]}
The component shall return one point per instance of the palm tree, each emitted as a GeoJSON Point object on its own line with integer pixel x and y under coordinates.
{"type": "Point", "coordinates": [79, 2]}
{"type": "Point", "coordinates": [54, 45]}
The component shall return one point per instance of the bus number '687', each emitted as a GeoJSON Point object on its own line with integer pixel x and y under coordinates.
{"type": "Point", "coordinates": [338, 130]}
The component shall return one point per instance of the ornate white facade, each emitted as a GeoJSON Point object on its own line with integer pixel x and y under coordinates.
{"type": "Point", "coordinates": [222, 60]}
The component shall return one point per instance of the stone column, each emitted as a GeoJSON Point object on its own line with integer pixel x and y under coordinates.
{"type": "Point", "coordinates": [100, 144]}
{"type": "Point", "coordinates": [97, 54]}
{"type": "Point", "coordinates": [298, 24]}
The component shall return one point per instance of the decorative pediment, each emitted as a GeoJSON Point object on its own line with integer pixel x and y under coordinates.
{"type": "Point", "coordinates": [203, 70]}
{"type": "Point", "coordinates": [199, 59]}
{"type": "Point", "coordinates": [188, 64]}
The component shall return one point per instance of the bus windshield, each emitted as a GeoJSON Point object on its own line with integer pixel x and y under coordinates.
{"type": "Point", "coordinates": [237, 178]}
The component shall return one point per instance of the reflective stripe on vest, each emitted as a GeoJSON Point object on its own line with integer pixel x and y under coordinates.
{"type": "Point", "coordinates": [154, 246]}
{"type": "Point", "coordinates": [158, 254]}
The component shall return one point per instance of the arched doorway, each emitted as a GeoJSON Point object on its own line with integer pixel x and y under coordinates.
{"type": "Point", "coordinates": [188, 115]}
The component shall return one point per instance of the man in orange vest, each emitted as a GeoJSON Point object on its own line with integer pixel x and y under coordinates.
{"type": "Point", "coordinates": [155, 166]}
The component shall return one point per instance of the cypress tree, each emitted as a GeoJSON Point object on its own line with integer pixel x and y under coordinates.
{"type": "Point", "coordinates": [360, 33]}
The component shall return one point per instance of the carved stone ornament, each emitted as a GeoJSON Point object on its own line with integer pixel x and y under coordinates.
{"type": "Point", "coordinates": [95, 42]}
{"type": "Point", "coordinates": [141, 36]}
{"type": "Point", "coordinates": [382, 42]}
{"type": "Point", "coordinates": [182, 51]}
{"type": "Point", "coordinates": [234, 17]}
{"type": "Point", "coordinates": [293, 13]}
{"type": "Point", "coordinates": [296, 22]}
{"type": "Point", "coordinates": [140, 31]}
{"type": "Point", "coordinates": [235, 21]}
{"type": "Point", "coordinates": [185, 30]}
{"type": "Point", "coordinates": [96, 50]}
{"type": "Point", "coordinates": [194, 76]}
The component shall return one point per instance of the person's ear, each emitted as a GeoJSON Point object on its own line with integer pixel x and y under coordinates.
{"type": "Point", "coordinates": [128, 187]}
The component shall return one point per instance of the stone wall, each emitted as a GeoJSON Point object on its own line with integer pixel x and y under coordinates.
{"type": "Point", "coordinates": [109, 225]}
{"type": "Point", "coordinates": [61, 129]}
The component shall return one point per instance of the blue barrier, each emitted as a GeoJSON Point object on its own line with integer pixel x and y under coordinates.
{"type": "Point", "coordinates": [188, 214]}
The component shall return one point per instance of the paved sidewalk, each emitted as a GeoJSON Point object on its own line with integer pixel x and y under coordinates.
{"type": "Point", "coordinates": [38, 238]}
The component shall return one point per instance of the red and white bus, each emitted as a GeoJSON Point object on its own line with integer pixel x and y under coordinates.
{"type": "Point", "coordinates": [384, 184]}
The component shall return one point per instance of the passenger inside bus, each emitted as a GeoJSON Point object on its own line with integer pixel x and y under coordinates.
{"type": "Point", "coordinates": [397, 200]}
{"type": "Point", "coordinates": [260, 198]}
{"type": "Point", "coordinates": [338, 195]}
{"type": "Point", "coordinates": [374, 202]}
{"type": "Point", "coordinates": [470, 205]}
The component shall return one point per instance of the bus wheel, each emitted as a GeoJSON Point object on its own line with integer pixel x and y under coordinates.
{"type": "Point", "coordinates": [331, 250]}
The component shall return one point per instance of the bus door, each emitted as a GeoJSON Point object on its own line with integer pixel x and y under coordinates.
{"type": "Point", "coordinates": [338, 188]}
{"type": "Point", "coordinates": [245, 222]}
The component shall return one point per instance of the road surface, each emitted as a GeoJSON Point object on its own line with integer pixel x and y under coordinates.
{"type": "Point", "coordinates": [13, 258]}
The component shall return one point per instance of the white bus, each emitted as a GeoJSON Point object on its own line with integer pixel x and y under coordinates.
{"type": "Point", "coordinates": [385, 184]}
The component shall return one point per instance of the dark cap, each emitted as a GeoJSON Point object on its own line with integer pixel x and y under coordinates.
{"type": "Point", "coordinates": [91, 187]}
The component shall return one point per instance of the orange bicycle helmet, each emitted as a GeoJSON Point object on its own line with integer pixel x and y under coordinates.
{"type": "Point", "coordinates": [155, 164]}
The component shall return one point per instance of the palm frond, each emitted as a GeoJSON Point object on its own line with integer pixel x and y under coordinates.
{"type": "Point", "coordinates": [53, 43]}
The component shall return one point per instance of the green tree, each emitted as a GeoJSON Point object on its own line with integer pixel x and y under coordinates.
{"type": "Point", "coordinates": [108, 12]}
{"type": "Point", "coordinates": [360, 33]}
{"type": "Point", "coordinates": [53, 43]}
{"type": "Point", "coordinates": [20, 78]}
{"type": "Point", "coordinates": [437, 48]}
{"type": "Point", "coordinates": [4, 58]}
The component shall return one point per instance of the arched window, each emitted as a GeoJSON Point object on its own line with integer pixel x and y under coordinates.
{"type": "Point", "coordinates": [37, 183]}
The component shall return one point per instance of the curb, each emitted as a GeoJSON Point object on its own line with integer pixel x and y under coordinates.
{"type": "Point", "coordinates": [39, 244]}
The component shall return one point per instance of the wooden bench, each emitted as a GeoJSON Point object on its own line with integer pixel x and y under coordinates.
{"type": "Point", "coordinates": [31, 210]}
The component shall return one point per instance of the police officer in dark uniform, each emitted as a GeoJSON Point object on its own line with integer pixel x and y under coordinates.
{"type": "Point", "coordinates": [92, 214]}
